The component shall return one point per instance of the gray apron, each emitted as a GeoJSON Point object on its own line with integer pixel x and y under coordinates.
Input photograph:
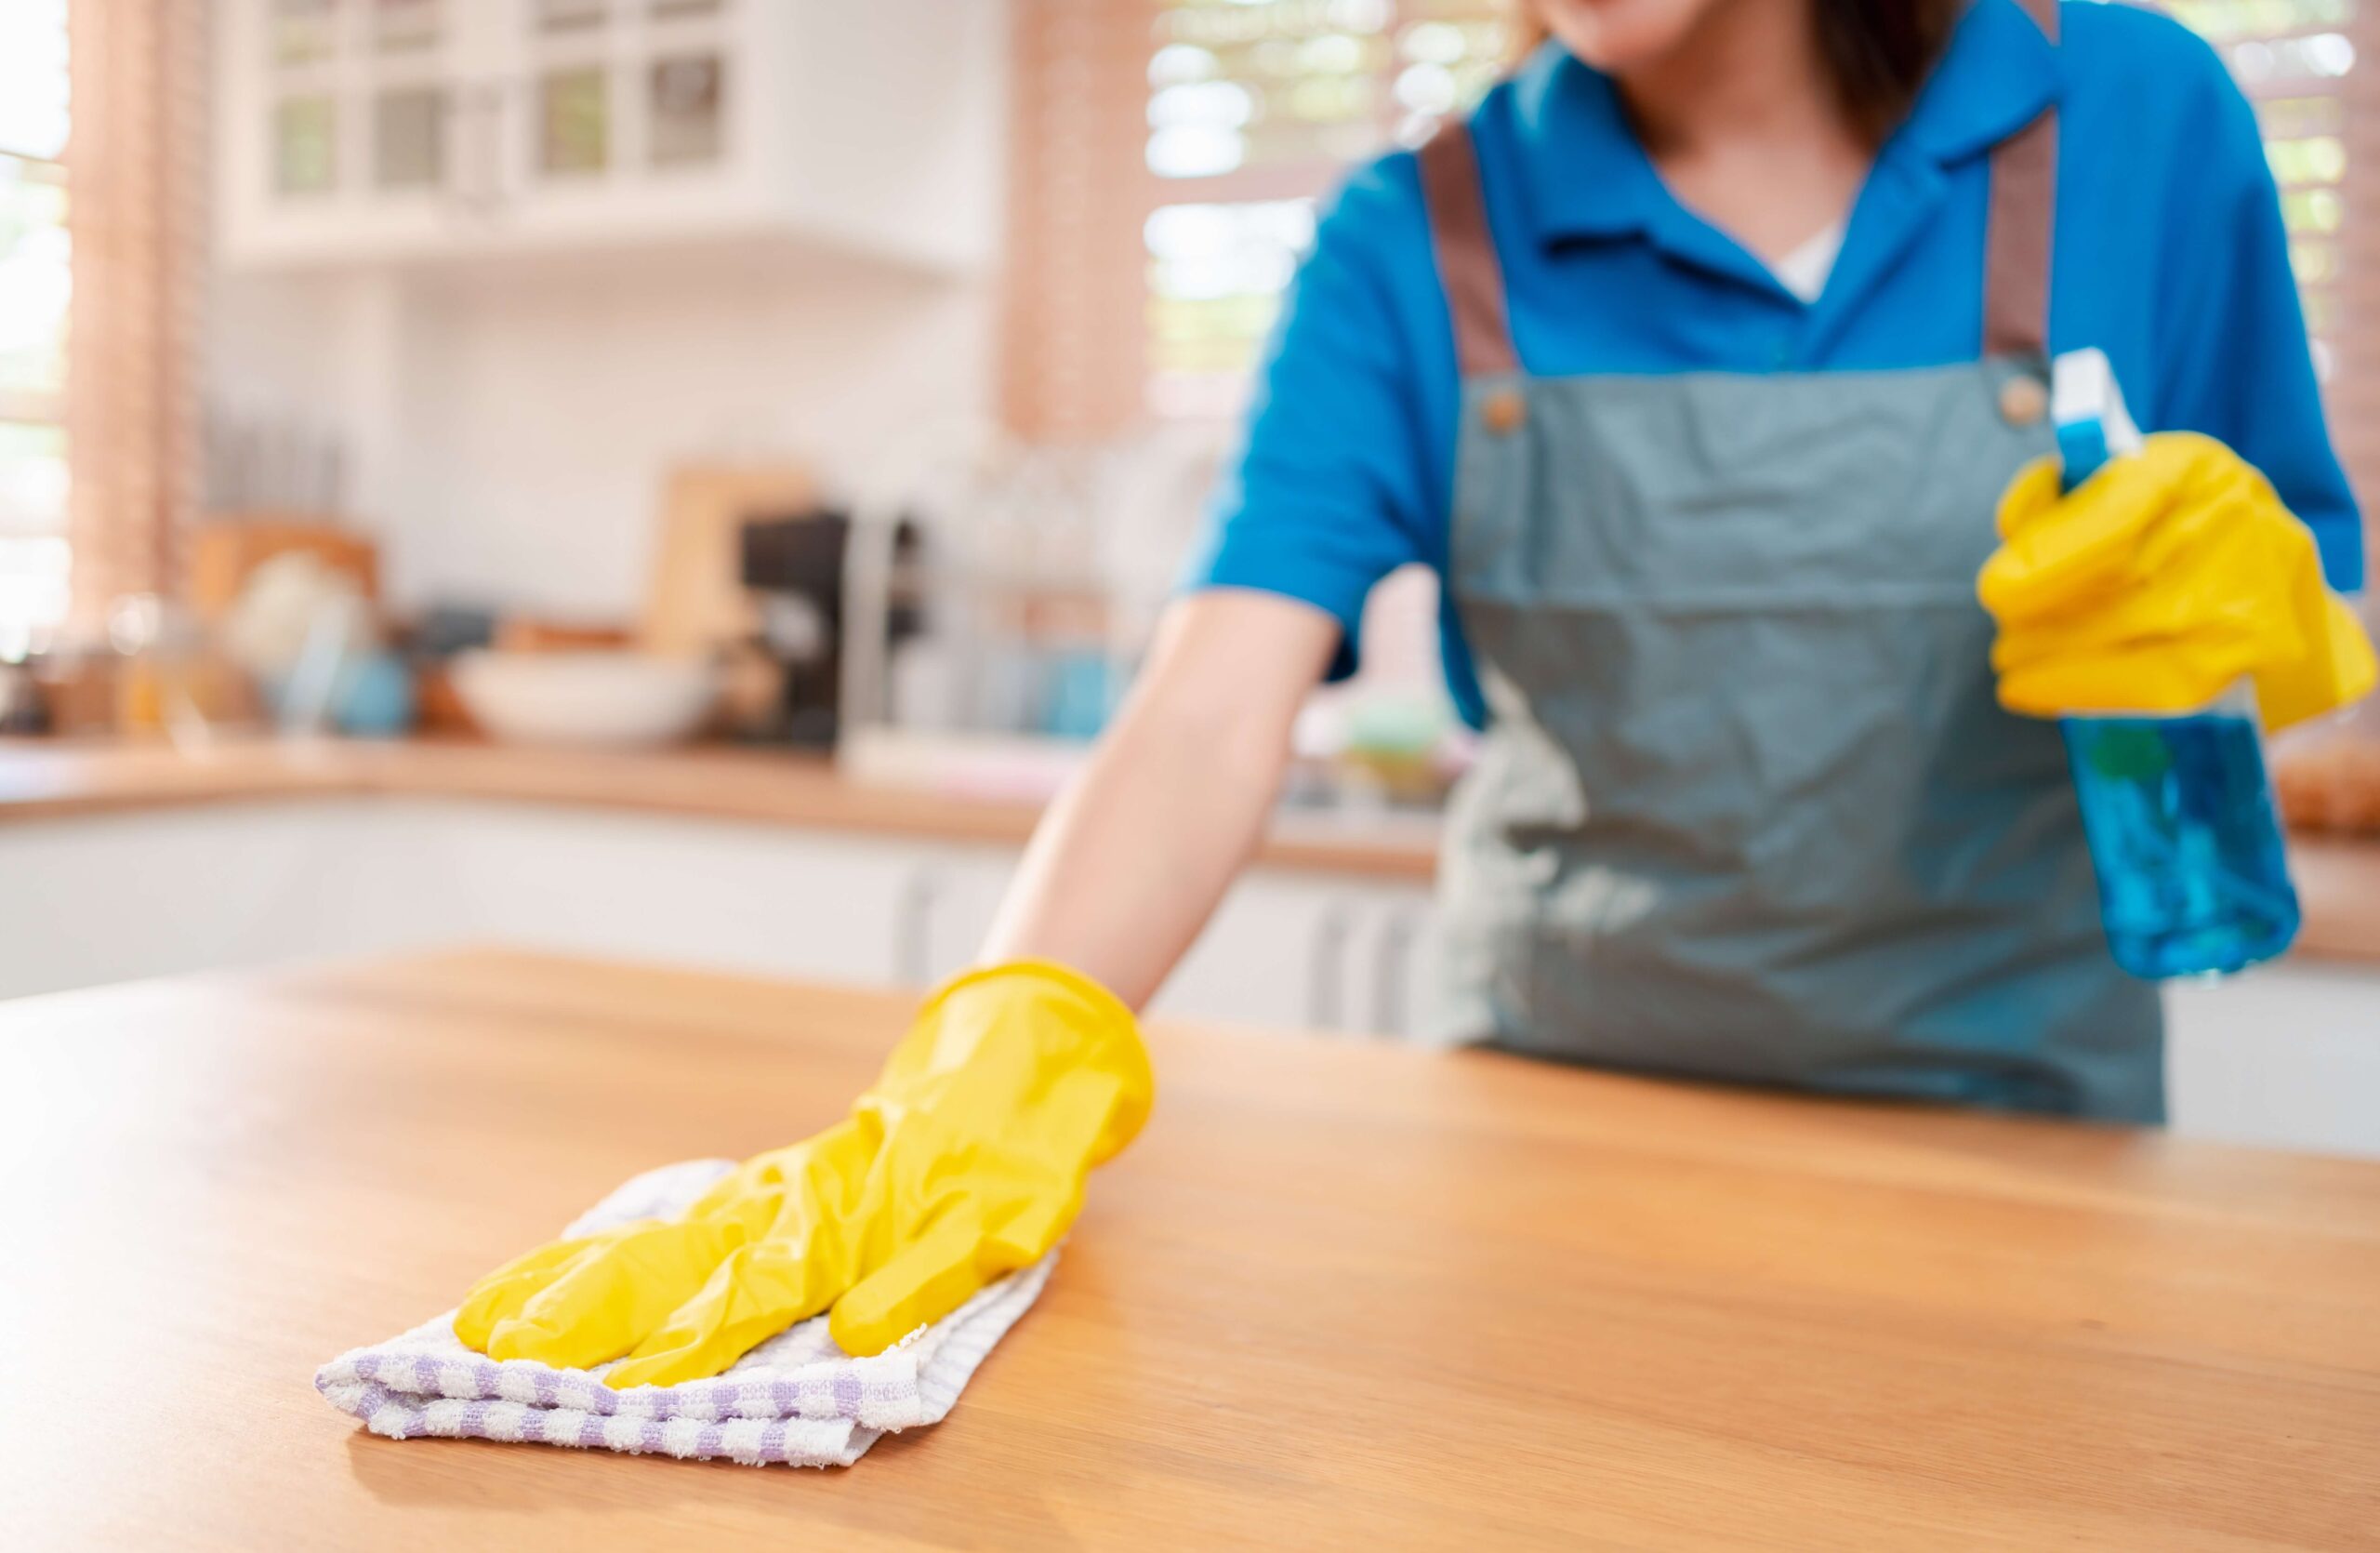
{"type": "Point", "coordinates": [1746, 807]}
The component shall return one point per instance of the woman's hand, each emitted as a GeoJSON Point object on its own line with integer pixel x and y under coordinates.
{"type": "Point", "coordinates": [963, 1162]}
{"type": "Point", "coordinates": [2158, 582]}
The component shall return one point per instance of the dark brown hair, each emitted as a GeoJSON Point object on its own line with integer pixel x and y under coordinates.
{"type": "Point", "coordinates": [1877, 50]}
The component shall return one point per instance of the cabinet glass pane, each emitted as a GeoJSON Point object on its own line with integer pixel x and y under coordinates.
{"type": "Point", "coordinates": [304, 31]}
{"type": "Point", "coordinates": [574, 119]}
{"type": "Point", "coordinates": [687, 122]}
{"type": "Point", "coordinates": [571, 15]}
{"type": "Point", "coordinates": [404, 26]}
{"type": "Point", "coordinates": [409, 137]}
{"type": "Point", "coordinates": [305, 136]}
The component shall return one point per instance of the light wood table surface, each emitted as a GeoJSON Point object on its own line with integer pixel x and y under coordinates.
{"type": "Point", "coordinates": [1335, 1296]}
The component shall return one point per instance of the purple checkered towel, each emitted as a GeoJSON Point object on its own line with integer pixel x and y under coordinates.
{"type": "Point", "coordinates": [796, 1398]}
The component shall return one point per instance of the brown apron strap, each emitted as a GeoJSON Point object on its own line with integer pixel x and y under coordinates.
{"type": "Point", "coordinates": [2018, 238]}
{"type": "Point", "coordinates": [1467, 264]}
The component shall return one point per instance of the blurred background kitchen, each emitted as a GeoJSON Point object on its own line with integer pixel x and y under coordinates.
{"type": "Point", "coordinates": [685, 479]}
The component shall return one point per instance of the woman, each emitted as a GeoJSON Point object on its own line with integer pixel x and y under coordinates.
{"type": "Point", "coordinates": [1697, 363]}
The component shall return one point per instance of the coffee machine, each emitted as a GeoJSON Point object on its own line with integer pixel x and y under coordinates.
{"type": "Point", "coordinates": [836, 595]}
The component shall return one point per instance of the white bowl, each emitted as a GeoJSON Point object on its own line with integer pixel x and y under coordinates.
{"type": "Point", "coordinates": [591, 698]}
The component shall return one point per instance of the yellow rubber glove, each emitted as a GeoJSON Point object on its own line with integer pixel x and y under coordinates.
{"type": "Point", "coordinates": [2157, 583]}
{"type": "Point", "coordinates": [963, 1162]}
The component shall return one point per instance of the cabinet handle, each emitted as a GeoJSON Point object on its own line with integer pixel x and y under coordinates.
{"type": "Point", "coordinates": [1327, 965]}
{"type": "Point", "coordinates": [1390, 952]}
{"type": "Point", "coordinates": [913, 924]}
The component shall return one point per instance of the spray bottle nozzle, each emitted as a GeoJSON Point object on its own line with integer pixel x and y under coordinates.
{"type": "Point", "coordinates": [2086, 406]}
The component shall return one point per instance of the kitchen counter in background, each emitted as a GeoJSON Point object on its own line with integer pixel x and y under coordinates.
{"type": "Point", "coordinates": [127, 863]}
{"type": "Point", "coordinates": [2338, 881]}
{"type": "Point", "coordinates": [1334, 1295]}
{"type": "Point", "coordinates": [41, 779]}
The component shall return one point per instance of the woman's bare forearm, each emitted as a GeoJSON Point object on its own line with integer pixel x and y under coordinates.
{"type": "Point", "coordinates": [1131, 859]}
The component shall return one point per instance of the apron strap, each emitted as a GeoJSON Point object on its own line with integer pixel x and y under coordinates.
{"type": "Point", "coordinates": [1466, 253]}
{"type": "Point", "coordinates": [2017, 236]}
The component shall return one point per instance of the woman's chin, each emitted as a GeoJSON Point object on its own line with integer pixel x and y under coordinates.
{"type": "Point", "coordinates": [1617, 36]}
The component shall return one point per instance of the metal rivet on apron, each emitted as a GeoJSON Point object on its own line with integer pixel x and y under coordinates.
{"type": "Point", "coordinates": [2023, 401]}
{"type": "Point", "coordinates": [1503, 411]}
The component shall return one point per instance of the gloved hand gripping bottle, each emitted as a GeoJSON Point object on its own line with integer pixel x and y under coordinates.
{"type": "Point", "coordinates": [2177, 808]}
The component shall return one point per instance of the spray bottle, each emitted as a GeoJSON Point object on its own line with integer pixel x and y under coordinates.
{"type": "Point", "coordinates": [2177, 809]}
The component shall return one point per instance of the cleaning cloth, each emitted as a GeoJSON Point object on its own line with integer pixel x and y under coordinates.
{"type": "Point", "coordinates": [796, 1398]}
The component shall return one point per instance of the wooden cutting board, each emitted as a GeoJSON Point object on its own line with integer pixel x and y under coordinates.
{"type": "Point", "coordinates": [696, 603]}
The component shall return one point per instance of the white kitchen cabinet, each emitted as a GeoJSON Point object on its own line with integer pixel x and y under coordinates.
{"type": "Point", "coordinates": [708, 893]}
{"type": "Point", "coordinates": [2288, 1056]}
{"type": "Point", "coordinates": [1290, 948]}
{"type": "Point", "coordinates": [113, 898]}
{"type": "Point", "coordinates": [117, 896]}
{"type": "Point", "coordinates": [387, 132]}
{"type": "Point", "coordinates": [1310, 951]}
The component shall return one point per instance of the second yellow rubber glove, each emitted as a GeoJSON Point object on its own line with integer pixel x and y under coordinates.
{"type": "Point", "coordinates": [964, 1161]}
{"type": "Point", "coordinates": [2161, 580]}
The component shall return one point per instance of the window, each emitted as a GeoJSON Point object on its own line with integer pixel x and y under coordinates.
{"type": "Point", "coordinates": [1170, 155]}
{"type": "Point", "coordinates": [1170, 152]}
{"type": "Point", "coordinates": [1253, 109]}
{"type": "Point", "coordinates": [2297, 61]}
{"type": "Point", "coordinates": [2292, 57]}
{"type": "Point", "coordinates": [35, 283]}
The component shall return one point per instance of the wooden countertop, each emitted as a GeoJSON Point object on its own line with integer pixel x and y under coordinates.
{"type": "Point", "coordinates": [1342, 1295]}
{"type": "Point", "coordinates": [2338, 881]}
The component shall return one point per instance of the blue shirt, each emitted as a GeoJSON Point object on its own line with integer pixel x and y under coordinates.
{"type": "Point", "coordinates": [2170, 256]}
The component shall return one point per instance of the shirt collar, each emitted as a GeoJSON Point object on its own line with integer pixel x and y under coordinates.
{"type": "Point", "coordinates": [1588, 176]}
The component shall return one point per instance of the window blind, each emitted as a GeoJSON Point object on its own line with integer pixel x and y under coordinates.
{"type": "Point", "coordinates": [1072, 367]}
{"type": "Point", "coordinates": [1168, 157]}
{"type": "Point", "coordinates": [135, 180]}
{"type": "Point", "coordinates": [1254, 110]}
{"type": "Point", "coordinates": [1169, 154]}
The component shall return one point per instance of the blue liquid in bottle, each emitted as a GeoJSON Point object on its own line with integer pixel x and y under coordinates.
{"type": "Point", "coordinates": [2178, 814]}
{"type": "Point", "coordinates": [2192, 876]}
